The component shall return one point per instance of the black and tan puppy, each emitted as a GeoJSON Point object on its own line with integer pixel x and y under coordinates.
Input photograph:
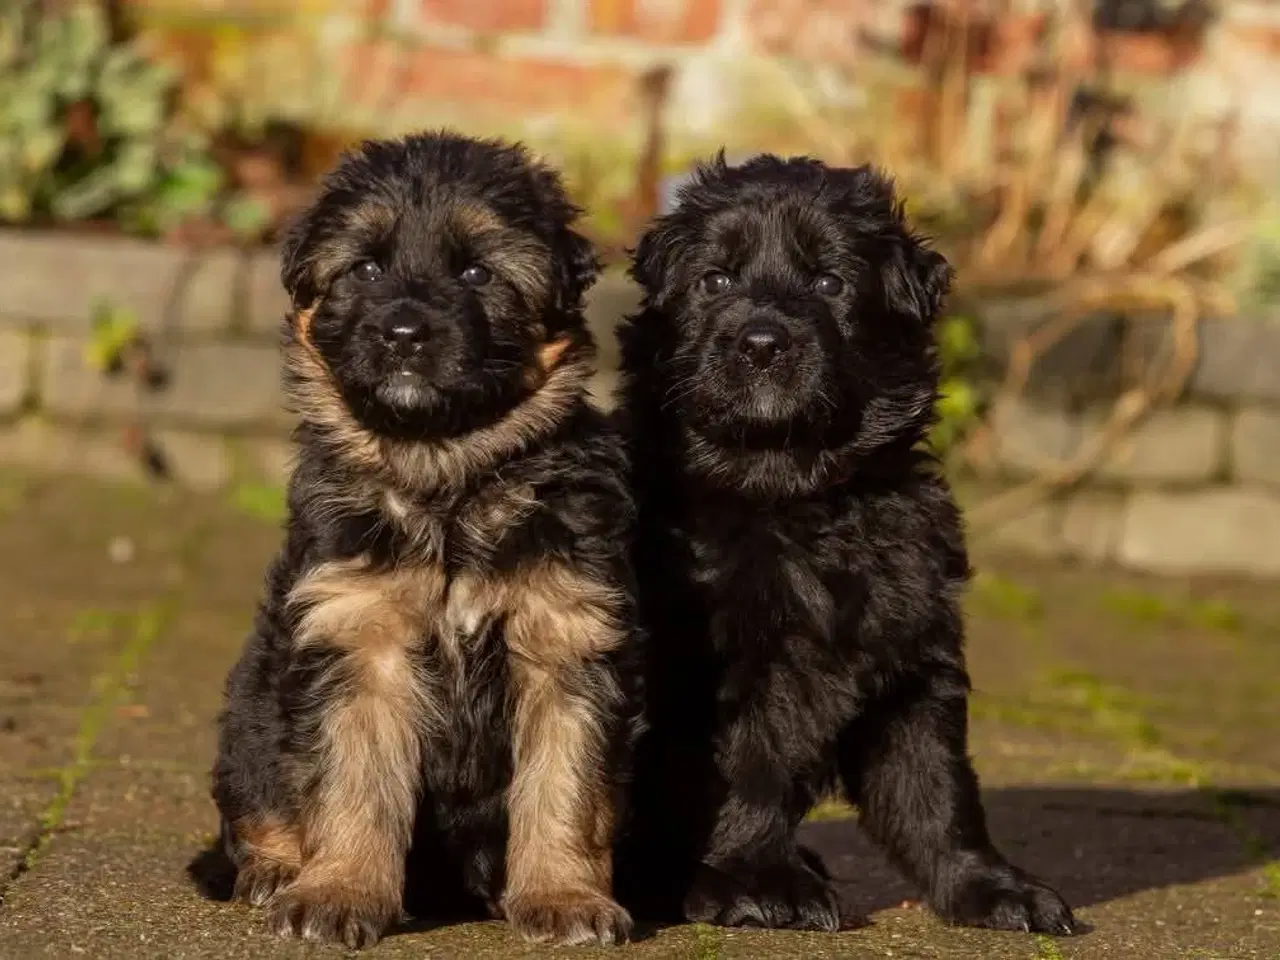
{"type": "Point", "coordinates": [444, 658]}
{"type": "Point", "coordinates": [800, 560]}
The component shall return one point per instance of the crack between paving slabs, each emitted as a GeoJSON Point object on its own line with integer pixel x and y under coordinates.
{"type": "Point", "coordinates": [147, 625]}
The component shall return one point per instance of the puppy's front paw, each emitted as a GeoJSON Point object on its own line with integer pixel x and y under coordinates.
{"type": "Point", "coordinates": [1002, 897]}
{"type": "Point", "coordinates": [567, 917]}
{"type": "Point", "coordinates": [778, 895]}
{"type": "Point", "coordinates": [258, 880]}
{"type": "Point", "coordinates": [331, 913]}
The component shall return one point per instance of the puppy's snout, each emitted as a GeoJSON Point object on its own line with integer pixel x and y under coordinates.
{"type": "Point", "coordinates": [406, 330]}
{"type": "Point", "coordinates": [761, 342]}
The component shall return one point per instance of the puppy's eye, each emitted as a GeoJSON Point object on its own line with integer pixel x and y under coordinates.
{"type": "Point", "coordinates": [367, 271]}
{"type": "Point", "coordinates": [829, 285]}
{"type": "Point", "coordinates": [476, 276]}
{"type": "Point", "coordinates": [716, 282]}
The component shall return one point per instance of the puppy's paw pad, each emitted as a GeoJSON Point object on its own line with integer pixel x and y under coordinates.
{"type": "Point", "coordinates": [329, 915]}
{"type": "Point", "coordinates": [1003, 899]}
{"type": "Point", "coordinates": [260, 880]}
{"type": "Point", "coordinates": [790, 896]}
{"type": "Point", "coordinates": [568, 917]}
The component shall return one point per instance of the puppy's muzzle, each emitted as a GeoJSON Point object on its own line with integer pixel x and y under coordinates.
{"type": "Point", "coordinates": [762, 342]}
{"type": "Point", "coordinates": [404, 331]}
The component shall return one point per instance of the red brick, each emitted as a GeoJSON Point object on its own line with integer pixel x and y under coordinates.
{"type": "Point", "coordinates": [1002, 45]}
{"type": "Point", "coordinates": [376, 74]}
{"type": "Point", "coordinates": [486, 16]}
{"type": "Point", "coordinates": [382, 74]}
{"type": "Point", "coordinates": [1257, 39]}
{"type": "Point", "coordinates": [818, 30]}
{"type": "Point", "coordinates": [656, 21]}
{"type": "Point", "coordinates": [1151, 53]}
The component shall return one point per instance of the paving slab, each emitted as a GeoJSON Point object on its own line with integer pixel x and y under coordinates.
{"type": "Point", "coordinates": [1123, 728]}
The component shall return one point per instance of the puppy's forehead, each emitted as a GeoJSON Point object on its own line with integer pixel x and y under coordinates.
{"type": "Point", "coordinates": [800, 228]}
{"type": "Point", "coordinates": [461, 217]}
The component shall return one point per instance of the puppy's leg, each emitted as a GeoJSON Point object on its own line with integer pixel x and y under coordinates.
{"type": "Point", "coordinates": [753, 872]}
{"type": "Point", "coordinates": [360, 777]}
{"type": "Point", "coordinates": [259, 819]}
{"type": "Point", "coordinates": [568, 701]}
{"type": "Point", "coordinates": [907, 768]}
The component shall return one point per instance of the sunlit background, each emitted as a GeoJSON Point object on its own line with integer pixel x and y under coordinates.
{"type": "Point", "coordinates": [1104, 176]}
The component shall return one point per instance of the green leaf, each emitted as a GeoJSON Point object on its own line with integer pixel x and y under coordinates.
{"type": "Point", "coordinates": [112, 329]}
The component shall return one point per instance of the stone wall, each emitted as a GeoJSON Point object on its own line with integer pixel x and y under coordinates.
{"type": "Point", "coordinates": [214, 319]}
{"type": "Point", "coordinates": [1194, 488]}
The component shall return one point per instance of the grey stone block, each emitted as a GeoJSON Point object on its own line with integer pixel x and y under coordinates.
{"type": "Point", "coordinates": [1239, 359]}
{"type": "Point", "coordinates": [52, 448]}
{"type": "Point", "coordinates": [1036, 530]}
{"type": "Point", "coordinates": [214, 384]}
{"type": "Point", "coordinates": [1177, 445]}
{"type": "Point", "coordinates": [1083, 363]}
{"type": "Point", "coordinates": [1092, 521]}
{"type": "Point", "coordinates": [1032, 436]}
{"type": "Point", "coordinates": [612, 297]}
{"type": "Point", "coordinates": [1224, 530]}
{"type": "Point", "coordinates": [58, 280]}
{"type": "Point", "coordinates": [15, 369]}
{"type": "Point", "coordinates": [196, 461]}
{"type": "Point", "coordinates": [271, 460]}
{"type": "Point", "coordinates": [1255, 445]}
{"type": "Point", "coordinates": [266, 303]}
{"type": "Point", "coordinates": [72, 387]}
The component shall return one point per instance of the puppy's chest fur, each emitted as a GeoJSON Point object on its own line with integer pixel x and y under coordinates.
{"type": "Point", "coordinates": [439, 568]}
{"type": "Point", "coordinates": [836, 584]}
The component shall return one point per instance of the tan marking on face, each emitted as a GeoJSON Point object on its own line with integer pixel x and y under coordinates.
{"type": "Point", "coordinates": [426, 465]}
{"type": "Point", "coordinates": [549, 354]}
{"type": "Point", "coordinates": [475, 219]}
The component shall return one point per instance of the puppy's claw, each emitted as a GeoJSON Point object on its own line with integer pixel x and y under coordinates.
{"type": "Point", "coordinates": [1001, 897]}
{"type": "Point", "coordinates": [775, 896]}
{"type": "Point", "coordinates": [338, 916]}
{"type": "Point", "coordinates": [567, 918]}
{"type": "Point", "coordinates": [260, 880]}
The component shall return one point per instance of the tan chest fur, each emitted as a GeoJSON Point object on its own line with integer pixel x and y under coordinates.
{"type": "Point", "coordinates": [379, 615]}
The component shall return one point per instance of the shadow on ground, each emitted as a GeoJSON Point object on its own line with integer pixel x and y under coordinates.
{"type": "Point", "coordinates": [1094, 845]}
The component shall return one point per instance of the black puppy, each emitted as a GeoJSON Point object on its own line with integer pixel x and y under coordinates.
{"type": "Point", "coordinates": [800, 559]}
{"type": "Point", "coordinates": [445, 655]}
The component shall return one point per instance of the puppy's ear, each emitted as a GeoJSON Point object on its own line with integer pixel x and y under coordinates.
{"type": "Point", "coordinates": [916, 279]}
{"type": "Point", "coordinates": [653, 258]}
{"type": "Point", "coordinates": [295, 263]}
{"type": "Point", "coordinates": [576, 267]}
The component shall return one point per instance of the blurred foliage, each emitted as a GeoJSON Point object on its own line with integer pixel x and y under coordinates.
{"type": "Point", "coordinates": [91, 128]}
{"type": "Point", "coordinates": [958, 401]}
{"type": "Point", "coordinates": [112, 330]}
{"type": "Point", "coordinates": [262, 501]}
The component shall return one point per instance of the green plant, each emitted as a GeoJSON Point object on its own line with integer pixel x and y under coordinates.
{"type": "Point", "coordinates": [957, 405]}
{"type": "Point", "coordinates": [88, 126]}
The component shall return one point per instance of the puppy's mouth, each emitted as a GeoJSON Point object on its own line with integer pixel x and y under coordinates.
{"type": "Point", "coordinates": [406, 389]}
{"type": "Point", "coordinates": [759, 380]}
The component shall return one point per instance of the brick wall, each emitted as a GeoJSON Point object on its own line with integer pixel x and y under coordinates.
{"type": "Point", "coordinates": [557, 70]}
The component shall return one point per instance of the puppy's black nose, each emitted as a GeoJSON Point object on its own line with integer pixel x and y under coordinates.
{"type": "Point", "coordinates": [763, 341]}
{"type": "Point", "coordinates": [405, 330]}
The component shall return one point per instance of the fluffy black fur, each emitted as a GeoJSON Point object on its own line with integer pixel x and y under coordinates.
{"type": "Point", "coordinates": [800, 559]}
{"type": "Point", "coordinates": [397, 359]}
